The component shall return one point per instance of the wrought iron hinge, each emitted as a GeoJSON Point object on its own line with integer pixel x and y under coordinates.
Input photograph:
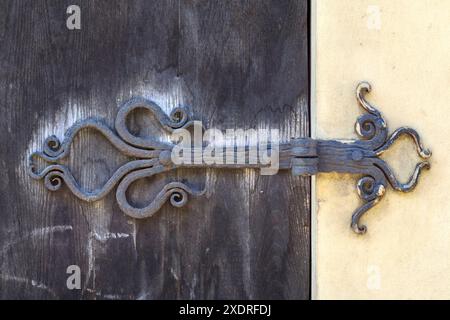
{"type": "Point", "coordinates": [303, 156]}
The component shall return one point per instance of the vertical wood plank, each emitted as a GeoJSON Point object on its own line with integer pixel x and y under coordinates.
{"type": "Point", "coordinates": [246, 66]}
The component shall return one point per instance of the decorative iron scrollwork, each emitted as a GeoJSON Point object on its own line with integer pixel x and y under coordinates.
{"type": "Point", "coordinates": [304, 156]}
{"type": "Point", "coordinates": [362, 157]}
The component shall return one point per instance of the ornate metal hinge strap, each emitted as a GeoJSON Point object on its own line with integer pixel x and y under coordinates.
{"type": "Point", "coordinates": [304, 156]}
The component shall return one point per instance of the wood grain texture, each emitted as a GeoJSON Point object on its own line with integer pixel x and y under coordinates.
{"type": "Point", "coordinates": [235, 64]}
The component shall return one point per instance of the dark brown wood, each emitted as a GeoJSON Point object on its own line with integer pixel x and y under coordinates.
{"type": "Point", "coordinates": [235, 64]}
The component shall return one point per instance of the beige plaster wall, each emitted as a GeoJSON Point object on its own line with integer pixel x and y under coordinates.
{"type": "Point", "coordinates": [403, 48]}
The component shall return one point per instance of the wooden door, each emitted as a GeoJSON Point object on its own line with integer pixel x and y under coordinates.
{"type": "Point", "coordinates": [236, 64]}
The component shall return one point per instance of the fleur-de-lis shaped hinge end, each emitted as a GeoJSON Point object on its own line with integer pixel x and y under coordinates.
{"type": "Point", "coordinates": [372, 128]}
{"type": "Point", "coordinates": [360, 157]}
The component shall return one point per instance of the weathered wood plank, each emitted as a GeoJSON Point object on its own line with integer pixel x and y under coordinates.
{"type": "Point", "coordinates": [237, 64]}
{"type": "Point", "coordinates": [245, 64]}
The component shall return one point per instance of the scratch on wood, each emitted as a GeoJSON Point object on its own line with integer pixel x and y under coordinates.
{"type": "Point", "coordinates": [33, 283]}
{"type": "Point", "coordinates": [35, 233]}
{"type": "Point", "coordinates": [102, 238]}
{"type": "Point", "coordinates": [247, 184]}
{"type": "Point", "coordinates": [110, 235]}
{"type": "Point", "coordinates": [134, 233]}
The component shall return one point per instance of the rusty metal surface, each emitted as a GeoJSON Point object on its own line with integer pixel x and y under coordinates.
{"type": "Point", "coordinates": [304, 156]}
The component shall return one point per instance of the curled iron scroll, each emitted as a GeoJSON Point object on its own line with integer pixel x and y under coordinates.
{"type": "Point", "coordinates": [372, 128]}
{"type": "Point", "coordinates": [153, 157]}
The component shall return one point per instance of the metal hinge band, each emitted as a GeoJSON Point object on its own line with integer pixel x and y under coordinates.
{"type": "Point", "coordinates": [303, 156]}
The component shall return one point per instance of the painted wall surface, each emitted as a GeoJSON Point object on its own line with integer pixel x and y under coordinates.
{"type": "Point", "coordinates": [403, 48]}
